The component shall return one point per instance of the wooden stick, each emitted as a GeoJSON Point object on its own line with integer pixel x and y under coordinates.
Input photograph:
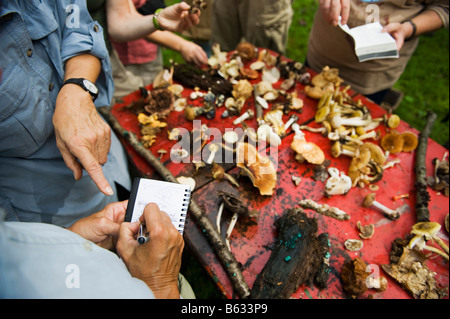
{"type": "Point", "coordinates": [422, 195]}
{"type": "Point", "coordinates": [226, 257]}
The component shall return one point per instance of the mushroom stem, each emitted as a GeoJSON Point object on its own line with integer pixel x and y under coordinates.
{"type": "Point", "coordinates": [243, 117]}
{"type": "Point", "coordinates": [313, 130]}
{"type": "Point", "coordinates": [219, 217]}
{"type": "Point", "coordinates": [230, 229]}
{"type": "Point", "coordinates": [392, 214]}
{"type": "Point", "coordinates": [292, 120]}
{"type": "Point", "coordinates": [442, 244]}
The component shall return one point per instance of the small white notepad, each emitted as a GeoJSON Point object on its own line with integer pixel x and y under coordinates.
{"type": "Point", "coordinates": [172, 198]}
{"type": "Point", "coordinates": [371, 43]}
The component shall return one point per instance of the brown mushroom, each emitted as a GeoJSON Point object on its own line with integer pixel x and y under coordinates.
{"type": "Point", "coordinates": [259, 169]}
{"type": "Point", "coordinates": [246, 51]}
{"type": "Point", "coordinates": [410, 141]}
{"type": "Point", "coordinates": [392, 142]}
{"type": "Point", "coordinates": [367, 231]}
{"type": "Point", "coordinates": [307, 151]}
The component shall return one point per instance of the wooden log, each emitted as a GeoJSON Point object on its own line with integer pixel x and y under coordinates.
{"type": "Point", "coordinates": [225, 256]}
{"type": "Point", "coordinates": [422, 195]}
{"type": "Point", "coordinates": [297, 255]}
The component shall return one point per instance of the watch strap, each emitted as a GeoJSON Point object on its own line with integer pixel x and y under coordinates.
{"type": "Point", "coordinates": [80, 82]}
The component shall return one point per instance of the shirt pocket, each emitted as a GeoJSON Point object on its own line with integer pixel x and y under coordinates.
{"type": "Point", "coordinates": [25, 115]}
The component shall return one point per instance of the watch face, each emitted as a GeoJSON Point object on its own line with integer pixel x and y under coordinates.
{"type": "Point", "coordinates": [90, 86]}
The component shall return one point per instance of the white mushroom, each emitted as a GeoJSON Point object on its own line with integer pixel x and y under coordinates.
{"type": "Point", "coordinates": [369, 200]}
{"type": "Point", "coordinates": [337, 184]}
{"type": "Point", "coordinates": [266, 133]}
{"type": "Point", "coordinates": [247, 115]}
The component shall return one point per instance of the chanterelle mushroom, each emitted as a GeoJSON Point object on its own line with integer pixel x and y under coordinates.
{"type": "Point", "coordinates": [259, 169]}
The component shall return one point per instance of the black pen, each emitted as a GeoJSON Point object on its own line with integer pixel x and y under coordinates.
{"type": "Point", "coordinates": [142, 238]}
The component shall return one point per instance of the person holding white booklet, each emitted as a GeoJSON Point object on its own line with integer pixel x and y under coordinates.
{"type": "Point", "coordinates": [404, 20]}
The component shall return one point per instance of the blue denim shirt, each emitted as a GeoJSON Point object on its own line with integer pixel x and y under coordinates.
{"type": "Point", "coordinates": [47, 261]}
{"type": "Point", "coordinates": [36, 39]}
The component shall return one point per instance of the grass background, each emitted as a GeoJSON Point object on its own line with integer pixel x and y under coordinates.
{"type": "Point", "coordinates": [425, 84]}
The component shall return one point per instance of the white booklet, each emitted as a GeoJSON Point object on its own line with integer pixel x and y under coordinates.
{"type": "Point", "coordinates": [172, 198]}
{"type": "Point", "coordinates": [371, 43]}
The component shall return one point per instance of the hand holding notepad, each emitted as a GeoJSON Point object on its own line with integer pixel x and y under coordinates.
{"type": "Point", "coordinates": [171, 198]}
{"type": "Point", "coordinates": [371, 43]}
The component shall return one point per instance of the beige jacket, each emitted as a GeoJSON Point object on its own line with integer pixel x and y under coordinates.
{"type": "Point", "coordinates": [330, 46]}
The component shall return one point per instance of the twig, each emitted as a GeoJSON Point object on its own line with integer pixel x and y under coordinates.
{"type": "Point", "coordinates": [422, 195]}
{"type": "Point", "coordinates": [225, 256]}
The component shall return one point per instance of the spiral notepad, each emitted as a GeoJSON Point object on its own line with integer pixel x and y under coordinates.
{"type": "Point", "coordinates": [172, 198]}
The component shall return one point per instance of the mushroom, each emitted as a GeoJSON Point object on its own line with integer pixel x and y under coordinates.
{"type": "Point", "coordinates": [307, 151]}
{"type": "Point", "coordinates": [235, 205]}
{"type": "Point", "coordinates": [369, 200]}
{"type": "Point", "coordinates": [424, 232]}
{"type": "Point", "coordinates": [213, 149]}
{"type": "Point", "coordinates": [367, 231]}
{"type": "Point", "coordinates": [410, 141]}
{"type": "Point", "coordinates": [337, 121]}
{"type": "Point", "coordinates": [266, 133]}
{"type": "Point", "coordinates": [192, 112]}
{"type": "Point", "coordinates": [337, 150]}
{"type": "Point", "coordinates": [219, 173]}
{"type": "Point", "coordinates": [187, 181]}
{"type": "Point", "coordinates": [394, 121]}
{"type": "Point", "coordinates": [353, 244]}
{"type": "Point", "coordinates": [271, 75]}
{"type": "Point", "coordinates": [337, 184]}
{"type": "Point", "coordinates": [292, 119]}
{"type": "Point", "coordinates": [276, 119]}
{"type": "Point", "coordinates": [392, 142]}
{"type": "Point", "coordinates": [242, 89]}
{"type": "Point", "coordinates": [259, 169]}
{"type": "Point", "coordinates": [246, 51]}
{"type": "Point", "coordinates": [247, 115]}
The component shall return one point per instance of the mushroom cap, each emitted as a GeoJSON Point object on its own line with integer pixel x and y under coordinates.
{"type": "Point", "coordinates": [393, 121]}
{"type": "Point", "coordinates": [410, 141]}
{"type": "Point", "coordinates": [309, 151]}
{"type": "Point", "coordinates": [259, 169]}
{"type": "Point", "coordinates": [427, 229]}
{"type": "Point", "coordinates": [392, 142]}
{"type": "Point", "coordinates": [368, 200]}
{"type": "Point", "coordinates": [361, 160]}
{"type": "Point", "coordinates": [377, 154]}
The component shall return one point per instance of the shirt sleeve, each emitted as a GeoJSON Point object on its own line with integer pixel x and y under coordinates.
{"type": "Point", "coordinates": [81, 35]}
{"type": "Point", "coordinates": [441, 8]}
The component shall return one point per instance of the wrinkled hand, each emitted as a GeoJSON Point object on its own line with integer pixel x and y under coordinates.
{"type": "Point", "coordinates": [332, 9]}
{"type": "Point", "coordinates": [102, 228]}
{"type": "Point", "coordinates": [158, 261]}
{"type": "Point", "coordinates": [194, 53]}
{"type": "Point", "coordinates": [177, 18]}
{"type": "Point", "coordinates": [82, 136]}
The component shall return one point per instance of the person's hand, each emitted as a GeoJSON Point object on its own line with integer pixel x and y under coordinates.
{"type": "Point", "coordinates": [194, 53]}
{"type": "Point", "coordinates": [158, 261]}
{"type": "Point", "coordinates": [177, 18]}
{"type": "Point", "coordinates": [399, 31]}
{"type": "Point", "coordinates": [82, 136]}
{"type": "Point", "coordinates": [102, 228]}
{"type": "Point", "coordinates": [332, 9]}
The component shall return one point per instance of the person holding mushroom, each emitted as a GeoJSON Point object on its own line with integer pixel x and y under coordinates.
{"type": "Point", "coordinates": [404, 20]}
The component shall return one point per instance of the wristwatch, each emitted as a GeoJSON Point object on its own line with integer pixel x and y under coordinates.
{"type": "Point", "coordinates": [86, 85]}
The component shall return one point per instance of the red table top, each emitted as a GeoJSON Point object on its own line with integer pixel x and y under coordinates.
{"type": "Point", "coordinates": [252, 239]}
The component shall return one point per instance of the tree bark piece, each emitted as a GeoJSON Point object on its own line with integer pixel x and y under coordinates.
{"type": "Point", "coordinates": [297, 256]}
{"type": "Point", "coordinates": [225, 256]}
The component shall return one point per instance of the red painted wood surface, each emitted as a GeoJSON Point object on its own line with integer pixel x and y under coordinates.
{"type": "Point", "coordinates": [252, 239]}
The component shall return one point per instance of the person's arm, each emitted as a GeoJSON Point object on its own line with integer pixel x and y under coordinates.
{"type": "Point", "coordinates": [425, 22]}
{"type": "Point", "coordinates": [82, 136]}
{"type": "Point", "coordinates": [126, 24]}
{"type": "Point", "coordinates": [158, 261]}
{"type": "Point", "coordinates": [190, 51]}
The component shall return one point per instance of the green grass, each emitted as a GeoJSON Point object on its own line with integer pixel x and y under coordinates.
{"type": "Point", "coordinates": [425, 84]}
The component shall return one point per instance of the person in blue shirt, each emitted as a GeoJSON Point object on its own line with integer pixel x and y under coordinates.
{"type": "Point", "coordinates": [40, 260]}
{"type": "Point", "coordinates": [59, 160]}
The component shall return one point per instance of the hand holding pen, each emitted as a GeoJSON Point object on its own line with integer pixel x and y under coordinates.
{"type": "Point", "coordinates": [157, 262]}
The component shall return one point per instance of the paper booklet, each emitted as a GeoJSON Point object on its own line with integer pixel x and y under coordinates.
{"type": "Point", "coordinates": [172, 198]}
{"type": "Point", "coordinates": [371, 43]}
